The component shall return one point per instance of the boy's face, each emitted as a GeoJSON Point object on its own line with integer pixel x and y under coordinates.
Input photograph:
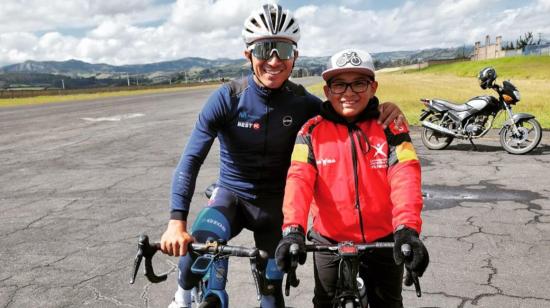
{"type": "Point", "coordinates": [349, 93]}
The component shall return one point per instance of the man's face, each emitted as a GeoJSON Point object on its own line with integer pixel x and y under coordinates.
{"type": "Point", "coordinates": [349, 94]}
{"type": "Point", "coordinates": [273, 72]}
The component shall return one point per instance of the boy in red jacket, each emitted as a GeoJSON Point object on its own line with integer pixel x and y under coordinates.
{"type": "Point", "coordinates": [365, 181]}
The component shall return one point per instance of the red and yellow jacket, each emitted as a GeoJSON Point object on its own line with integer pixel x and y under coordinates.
{"type": "Point", "coordinates": [364, 180]}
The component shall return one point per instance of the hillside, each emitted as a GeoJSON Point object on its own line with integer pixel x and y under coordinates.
{"type": "Point", "coordinates": [520, 67]}
{"type": "Point", "coordinates": [78, 74]}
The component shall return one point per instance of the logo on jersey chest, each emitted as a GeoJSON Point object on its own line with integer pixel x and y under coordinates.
{"type": "Point", "coordinates": [380, 158]}
{"type": "Point", "coordinates": [287, 120]}
{"type": "Point", "coordinates": [254, 125]}
{"type": "Point", "coordinates": [325, 161]}
{"type": "Point", "coordinates": [248, 121]}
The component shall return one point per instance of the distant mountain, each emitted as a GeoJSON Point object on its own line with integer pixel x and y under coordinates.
{"type": "Point", "coordinates": [78, 68]}
{"type": "Point", "coordinates": [192, 68]}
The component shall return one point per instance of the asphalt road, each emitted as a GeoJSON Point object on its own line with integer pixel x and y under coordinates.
{"type": "Point", "coordinates": [80, 181]}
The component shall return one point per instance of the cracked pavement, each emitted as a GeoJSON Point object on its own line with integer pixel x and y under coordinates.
{"type": "Point", "coordinates": [75, 194]}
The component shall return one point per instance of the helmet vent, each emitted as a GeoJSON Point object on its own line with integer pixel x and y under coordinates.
{"type": "Point", "coordinates": [290, 25]}
{"type": "Point", "coordinates": [264, 21]}
{"type": "Point", "coordinates": [283, 19]}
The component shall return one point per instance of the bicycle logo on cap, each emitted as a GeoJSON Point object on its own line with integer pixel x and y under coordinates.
{"type": "Point", "coordinates": [350, 57]}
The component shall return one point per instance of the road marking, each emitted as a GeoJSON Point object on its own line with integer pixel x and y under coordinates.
{"type": "Point", "coordinates": [115, 118]}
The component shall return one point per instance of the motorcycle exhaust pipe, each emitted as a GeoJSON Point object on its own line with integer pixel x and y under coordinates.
{"type": "Point", "coordinates": [438, 128]}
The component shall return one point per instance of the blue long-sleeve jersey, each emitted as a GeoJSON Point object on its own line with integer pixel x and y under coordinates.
{"type": "Point", "coordinates": [256, 128]}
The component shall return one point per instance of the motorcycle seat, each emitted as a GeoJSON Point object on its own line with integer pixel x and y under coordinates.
{"type": "Point", "coordinates": [450, 105]}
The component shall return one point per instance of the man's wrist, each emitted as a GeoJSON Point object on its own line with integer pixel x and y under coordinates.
{"type": "Point", "coordinates": [399, 228]}
{"type": "Point", "coordinates": [293, 229]}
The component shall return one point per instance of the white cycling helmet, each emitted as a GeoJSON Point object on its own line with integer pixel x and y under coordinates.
{"type": "Point", "coordinates": [270, 21]}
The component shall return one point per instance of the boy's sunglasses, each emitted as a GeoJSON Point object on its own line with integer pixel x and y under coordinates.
{"type": "Point", "coordinates": [264, 50]}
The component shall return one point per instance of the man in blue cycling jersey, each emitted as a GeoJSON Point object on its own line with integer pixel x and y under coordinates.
{"type": "Point", "coordinates": [256, 121]}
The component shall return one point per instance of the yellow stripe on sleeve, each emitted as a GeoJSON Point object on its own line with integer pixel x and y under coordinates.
{"type": "Point", "coordinates": [405, 152]}
{"type": "Point", "coordinates": [300, 153]}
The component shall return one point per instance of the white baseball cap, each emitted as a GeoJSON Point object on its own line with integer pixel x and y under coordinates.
{"type": "Point", "coordinates": [349, 60]}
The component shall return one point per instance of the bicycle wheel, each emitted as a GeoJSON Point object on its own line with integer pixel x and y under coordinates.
{"type": "Point", "coordinates": [211, 302]}
{"type": "Point", "coordinates": [349, 304]}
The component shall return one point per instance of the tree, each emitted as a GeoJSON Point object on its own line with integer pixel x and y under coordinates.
{"type": "Point", "coordinates": [528, 39]}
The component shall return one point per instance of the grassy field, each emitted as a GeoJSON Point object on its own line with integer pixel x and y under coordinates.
{"type": "Point", "coordinates": [519, 67]}
{"type": "Point", "coordinates": [457, 82]}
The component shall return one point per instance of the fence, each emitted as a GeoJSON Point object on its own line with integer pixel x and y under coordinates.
{"type": "Point", "coordinates": [21, 93]}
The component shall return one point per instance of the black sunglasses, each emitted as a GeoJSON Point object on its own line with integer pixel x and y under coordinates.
{"type": "Point", "coordinates": [358, 86]}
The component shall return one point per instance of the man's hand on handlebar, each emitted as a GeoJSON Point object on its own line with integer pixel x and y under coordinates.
{"type": "Point", "coordinates": [291, 235]}
{"type": "Point", "coordinates": [175, 239]}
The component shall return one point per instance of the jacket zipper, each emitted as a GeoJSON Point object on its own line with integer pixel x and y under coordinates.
{"type": "Point", "coordinates": [356, 180]}
{"type": "Point", "coordinates": [267, 101]}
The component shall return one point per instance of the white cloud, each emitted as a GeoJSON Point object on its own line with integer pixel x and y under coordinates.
{"type": "Point", "coordinates": [416, 25]}
{"type": "Point", "coordinates": [142, 31]}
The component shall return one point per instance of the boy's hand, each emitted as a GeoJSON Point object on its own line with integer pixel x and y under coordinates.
{"type": "Point", "coordinates": [389, 112]}
{"type": "Point", "coordinates": [420, 258]}
{"type": "Point", "coordinates": [175, 239]}
{"type": "Point", "coordinates": [282, 253]}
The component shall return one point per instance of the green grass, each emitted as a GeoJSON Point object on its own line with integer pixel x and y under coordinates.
{"type": "Point", "coordinates": [457, 82]}
{"type": "Point", "coordinates": [519, 67]}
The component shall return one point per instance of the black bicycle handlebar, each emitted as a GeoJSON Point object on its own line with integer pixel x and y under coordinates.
{"type": "Point", "coordinates": [360, 247]}
{"type": "Point", "coordinates": [291, 280]}
{"type": "Point", "coordinates": [147, 250]}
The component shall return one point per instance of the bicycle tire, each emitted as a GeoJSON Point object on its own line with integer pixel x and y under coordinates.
{"type": "Point", "coordinates": [349, 304]}
{"type": "Point", "coordinates": [211, 302]}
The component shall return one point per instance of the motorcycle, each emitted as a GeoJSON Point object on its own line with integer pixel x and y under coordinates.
{"type": "Point", "coordinates": [443, 121]}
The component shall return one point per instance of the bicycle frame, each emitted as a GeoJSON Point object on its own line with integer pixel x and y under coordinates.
{"type": "Point", "coordinates": [347, 287]}
{"type": "Point", "coordinates": [213, 270]}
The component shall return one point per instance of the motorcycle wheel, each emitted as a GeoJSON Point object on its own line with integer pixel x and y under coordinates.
{"type": "Point", "coordinates": [434, 140]}
{"type": "Point", "coordinates": [530, 134]}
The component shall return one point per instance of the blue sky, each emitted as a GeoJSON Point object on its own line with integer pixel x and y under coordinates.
{"type": "Point", "coordinates": [144, 31]}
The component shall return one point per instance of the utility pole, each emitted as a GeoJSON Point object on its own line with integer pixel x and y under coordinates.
{"type": "Point", "coordinates": [63, 84]}
{"type": "Point", "coordinates": [128, 78]}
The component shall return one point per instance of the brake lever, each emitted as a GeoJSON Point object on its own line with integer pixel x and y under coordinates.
{"type": "Point", "coordinates": [410, 276]}
{"type": "Point", "coordinates": [291, 278]}
{"type": "Point", "coordinates": [147, 251]}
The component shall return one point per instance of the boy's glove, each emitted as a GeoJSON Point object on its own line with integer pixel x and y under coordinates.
{"type": "Point", "coordinates": [291, 235]}
{"type": "Point", "coordinates": [419, 259]}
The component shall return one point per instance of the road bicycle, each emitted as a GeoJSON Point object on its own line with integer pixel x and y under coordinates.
{"type": "Point", "coordinates": [350, 288]}
{"type": "Point", "coordinates": [211, 264]}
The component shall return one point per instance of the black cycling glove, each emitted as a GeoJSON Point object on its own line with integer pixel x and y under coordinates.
{"type": "Point", "coordinates": [291, 235]}
{"type": "Point", "coordinates": [419, 259]}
